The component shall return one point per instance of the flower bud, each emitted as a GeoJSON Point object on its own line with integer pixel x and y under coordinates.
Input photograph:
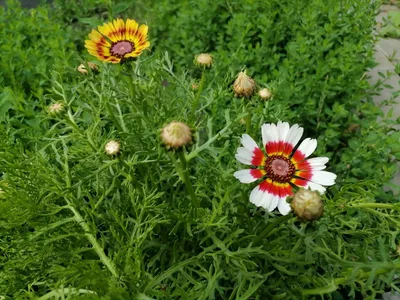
{"type": "Point", "coordinates": [112, 148]}
{"type": "Point", "coordinates": [307, 205]}
{"type": "Point", "coordinates": [195, 86]}
{"type": "Point", "coordinates": [176, 135]}
{"type": "Point", "coordinates": [203, 60]}
{"type": "Point", "coordinates": [244, 85]}
{"type": "Point", "coordinates": [265, 94]}
{"type": "Point", "coordinates": [55, 108]}
{"type": "Point", "coordinates": [82, 68]}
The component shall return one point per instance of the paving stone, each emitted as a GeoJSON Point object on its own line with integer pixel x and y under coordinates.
{"type": "Point", "coordinates": [390, 47]}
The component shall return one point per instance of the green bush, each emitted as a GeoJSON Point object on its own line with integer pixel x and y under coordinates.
{"type": "Point", "coordinates": [79, 224]}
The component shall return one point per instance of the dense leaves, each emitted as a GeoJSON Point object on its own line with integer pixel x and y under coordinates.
{"type": "Point", "coordinates": [78, 224]}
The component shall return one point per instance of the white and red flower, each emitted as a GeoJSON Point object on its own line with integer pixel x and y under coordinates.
{"type": "Point", "coordinates": [282, 167]}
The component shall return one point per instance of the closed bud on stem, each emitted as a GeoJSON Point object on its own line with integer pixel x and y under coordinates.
{"type": "Point", "coordinates": [55, 108]}
{"type": "Point", "coordinates": [112, 148]}
{"type": "Point", "coordinates": [176, 134]}
{"type": "Point", "coordinates": [82, 68]}
{"type": "Point", "coordinates": [203, 60]}
{"type": "Point", "coordinates": [244, 85]}
{"type": "Point", "coordinates": [307, 205]}
{"type": "Point", "coordinates": [265, 94]}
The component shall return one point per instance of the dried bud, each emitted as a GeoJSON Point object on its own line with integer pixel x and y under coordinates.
{"type": "Point", "coordinates": [55, 108]}
{"type": "Point", "coordinates": [203, 60]}
{"type": "Point", "coordinates": [112, 148]}
{"type": "Point", "coordinates": [307, 205]}
{"type": "Point", "coordinates": [265, 94]}
{"type": "Point", "coordinates": [176, 135]}
{"type": "Point", "coordinates": [195, 86]}
{"type": "Point", "coordinates": [92, 66]}
{"type": "Point", "coordinates": [244, 85]}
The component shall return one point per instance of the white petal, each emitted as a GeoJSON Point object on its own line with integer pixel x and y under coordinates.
{"type": "Point", "coordinates": [323, 178]}
{"type": "Point", "coordinates": [308, 146]}
{"type": "Point", "coordinates": [248, 142]}
{"type": "Point", "coordinates": [315, 187]}
{"type": "Point", "coordinates": [283, 206]}
{"type": "Point", "coordinates": [244, 156]}
{"type": "Point", "coordinates": [283, 130]}
{"type": "Point", "coordinates": [294, 135]}
{"type": "Point", "coordinates": [266, 200]}
{"type": "Point", "coordinates": [318, 163]}
{"type": "Point", "coordinates": [256, 196]}
{"type": "Point", "coordinates": [244, 176]}
{"type": "Point", "coordinates": [269, 133]}
{"type": "Point", "coordinates": [274, 203]}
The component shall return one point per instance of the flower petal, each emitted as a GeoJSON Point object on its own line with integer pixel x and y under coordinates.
{"type": "Point", "coordinates": [249, 175]}
{"type": "Point", "coordinates": [253, 156]}
{"type": "Point", "coordinates": [315, 187]}
{"type": "Point", "coordinates": [323, 178]}
{"type": "Point", "coordinates": [244, 156]}
{"type": "Point", "coordinates": [292, 138]}
{"type": "Point", "coordinates": [307, 147]}
{"type": "Point", "coordinates": [317, 163]}
{"type": "Point", "coordinates": [248, 142]}
{"type": "Point", "coordinates": [270, 136]}
{"type": "Point", "coordinates": [256, 196]}
{"type": "Point", "coordinates": [283, 206]}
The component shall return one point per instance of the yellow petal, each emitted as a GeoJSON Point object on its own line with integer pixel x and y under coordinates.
{"type": "Point", "coordinates": [131, 28]}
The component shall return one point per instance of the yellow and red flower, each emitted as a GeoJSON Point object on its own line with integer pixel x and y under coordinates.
{"type": "Point", "coordinates": [282, 167]}
{"type": "Point", "coordinates": [118, 40]}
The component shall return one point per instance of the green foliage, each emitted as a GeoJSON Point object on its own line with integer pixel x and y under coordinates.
{"type": "Point", "coordinates": [78, 224]}
{"type": "Point", "coordinates": [391, 25]}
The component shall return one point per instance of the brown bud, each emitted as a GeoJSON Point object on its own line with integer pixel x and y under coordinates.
{"type": "Point", "coordinates": [176, 135]}
{"type": "Point", "coordinates": [112, 148]}
{"type": "Point", "coordinates": [307, 205]}
{"type": "Point", "coordinates": [244, 85]}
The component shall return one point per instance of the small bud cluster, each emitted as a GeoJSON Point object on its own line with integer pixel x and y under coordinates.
{"type": "Point", "coordinates": [82, 68]}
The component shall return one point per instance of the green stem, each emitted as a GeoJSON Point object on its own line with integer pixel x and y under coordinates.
{"type": "Point", "coordinates": [96, 246]}
{"type": "Point", "coordinates": [186, 179]}
{"type": "Point", "coordinates": [114, 119]}
{"type": "Point", "coordinates": [196, 152]}
{"type": "Point", "coordinates": [376, 205]}
{"type": "Point", "coordinates": [266, 232]}
{"type": "Point", "coordinates": [197, 96]}
{"type": "Point", "coordinates": [70, 120]}
{"type": "Point", "coordinates": [248, 123]}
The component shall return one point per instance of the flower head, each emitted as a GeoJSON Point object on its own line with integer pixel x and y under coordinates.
{"type": "Point", "coordinates": [82, 69]}
{"type": "Point", "coordinates": [176, 135]}
{"type": "Point", "coordinates": [282, 166]}
{"type": "Point", "coordinates": [55, 108]}
{"type": "Point", "coordinates": [118, 40]}
{"type": "Point", "coordinates": [112, 147]}
{"type": "Point", "coordinates": [203, 60]}
{"type": "Point", "coordinates": [265, 94]}
{"type": "Point", "coordinates": [307, 205]}
{"type": "Point", "coordinates": [244, 85]}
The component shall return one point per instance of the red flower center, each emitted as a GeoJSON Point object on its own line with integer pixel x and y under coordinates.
{"type": "Point", "coordinates": [119, 49]}
{"type": "Point", "coordinates": [279, 168]}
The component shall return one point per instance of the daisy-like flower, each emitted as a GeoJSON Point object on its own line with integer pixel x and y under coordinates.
{"type": "Point", "coordinates": [282, 166]}
{"type": "Point", "coordinates": [118, 40]}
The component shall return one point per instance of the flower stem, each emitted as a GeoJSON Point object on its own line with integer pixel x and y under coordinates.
{"type": "Point", "coordinates": [70, 120]}
{"type": "Point", "coordinates": [96, 246]}
{"type": "Point", "coordinates": [197, 96]}
{"type": "Point", "coordinates": [376, 205]}
{"type": "Point", "coordinates": [186, 179]}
